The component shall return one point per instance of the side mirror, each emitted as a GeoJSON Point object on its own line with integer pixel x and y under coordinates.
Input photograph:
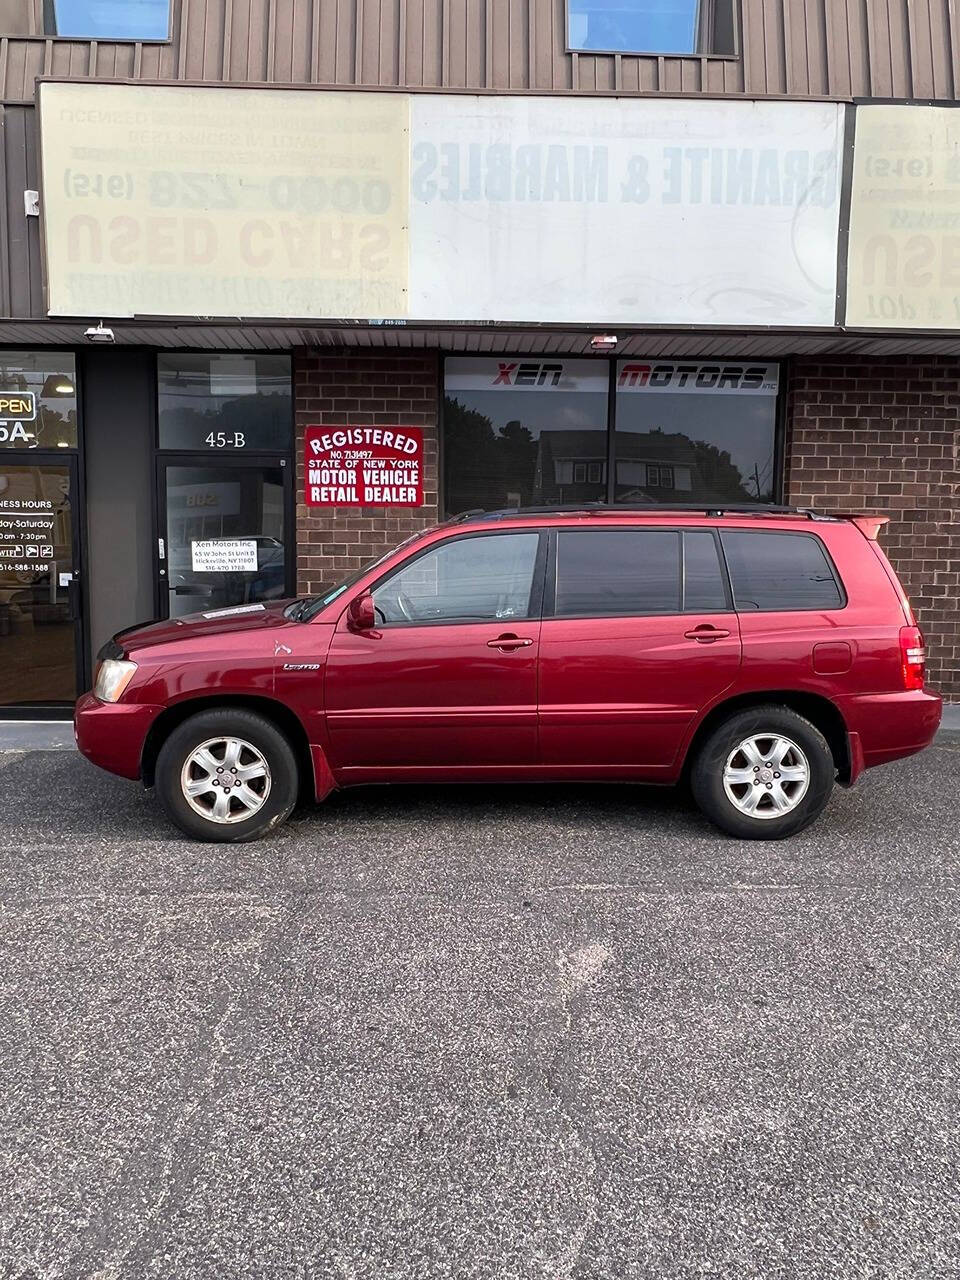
{"type": "Point", "coordinates": [360, 614]}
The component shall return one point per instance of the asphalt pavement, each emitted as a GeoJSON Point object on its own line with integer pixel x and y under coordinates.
{"type": "Point", "coordinates": [489, 1032]}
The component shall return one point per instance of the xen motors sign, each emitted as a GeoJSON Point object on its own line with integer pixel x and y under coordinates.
{"type": "Point", "coordinates": [528, 373]}
{"type": "Point", "coordinates": [520, 373]}
{"type": "Point", "coordinates": [701, 378]}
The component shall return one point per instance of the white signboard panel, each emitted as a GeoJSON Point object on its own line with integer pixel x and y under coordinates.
{"type": "Point", "coordinates": [224, 555]}
{"type": "Point", "coordinates": [322, 204]}
{"type": "Point", "coordinates": [634, 210]}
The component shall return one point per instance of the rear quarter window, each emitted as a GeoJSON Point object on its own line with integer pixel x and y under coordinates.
{"type": "Point", "coordinates": [780, 571]}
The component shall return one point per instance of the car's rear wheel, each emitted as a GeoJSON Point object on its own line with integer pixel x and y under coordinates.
{"type": "Point", "coordinates": [764, 773]}
{"type": "Point", "coordinates": [227, 775]}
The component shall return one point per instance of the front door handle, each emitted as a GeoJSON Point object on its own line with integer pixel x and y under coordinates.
{"type": "Point", "coordinates": [706, 634]}
{"type": "Point", "coordinates": [509, 642]}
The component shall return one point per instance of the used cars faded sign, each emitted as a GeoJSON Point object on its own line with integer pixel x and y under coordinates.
{"type": "Point", "coordinates": [903, 261]}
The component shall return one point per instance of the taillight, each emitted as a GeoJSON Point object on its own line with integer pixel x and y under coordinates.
{"type": "Point", "coordinates": [912, 657]}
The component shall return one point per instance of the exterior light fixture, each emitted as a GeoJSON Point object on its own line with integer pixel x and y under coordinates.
{"type": "Point", "coordinates": [603, 341]}
{"type": "Point", "coordinates": [99, 333]}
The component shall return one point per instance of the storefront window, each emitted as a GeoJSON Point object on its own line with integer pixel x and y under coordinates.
{"type": "Point", "coordinates": [524, 431]}
{"type": "Point", "coordinates": [224, 402]}
{"type": "Point", "coordinates": [528, 431]}
{"type": "Point", "coordinates": [38, 400]}
{"type": "Point", "coordinates": [695, 432]}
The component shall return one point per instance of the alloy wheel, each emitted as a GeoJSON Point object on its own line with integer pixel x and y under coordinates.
{"type": "Point", "coordinates": [766, 776]}
{"type": "Point", "coordinates": [225, 780]}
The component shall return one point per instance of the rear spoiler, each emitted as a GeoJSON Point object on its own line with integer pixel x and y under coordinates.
{"type": "Point", "coordinates": [868, 525]}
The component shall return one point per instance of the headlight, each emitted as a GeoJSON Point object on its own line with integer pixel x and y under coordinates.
{"type": "Point", "coordinates": [112, 678]}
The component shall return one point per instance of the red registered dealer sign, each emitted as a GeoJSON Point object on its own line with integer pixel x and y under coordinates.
{"type": "Point", "coordinates": [363, 467]}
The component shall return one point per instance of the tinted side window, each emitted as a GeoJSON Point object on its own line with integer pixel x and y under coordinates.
{"type": "Point", "coordinates": [482, 579]}
{"type": "Point", "coordinates": [617, 572]}
{"type": "Point", "coordinates": [702, 576]}
{"type": "Point", "coordinates": [779, 571]}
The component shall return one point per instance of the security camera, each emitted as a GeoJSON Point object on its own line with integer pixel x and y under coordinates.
{"type": "Point", "coordinates": [603, 341]}
{"type": "Point", "coordinates": [99, 333]}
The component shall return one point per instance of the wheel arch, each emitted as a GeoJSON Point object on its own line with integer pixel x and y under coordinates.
{"type": "Point", "coordinates": [819, 710]}
{"type": "Point", "coordinates": [279, 715]}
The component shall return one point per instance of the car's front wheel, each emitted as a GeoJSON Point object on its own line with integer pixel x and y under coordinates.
{"type": "Point", "coordinates": [764, 773]}
{"type": "Point", "coordinates": [228, 775]}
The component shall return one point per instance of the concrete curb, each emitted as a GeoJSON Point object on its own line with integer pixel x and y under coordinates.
{"type": "Point", "coordinates": [37, 735]}
{"type": "Point", "coordinates": [57, 735]}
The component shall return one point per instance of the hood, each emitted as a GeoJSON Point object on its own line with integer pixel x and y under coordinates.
{"type": "Point", "coordinates": [210, 622]}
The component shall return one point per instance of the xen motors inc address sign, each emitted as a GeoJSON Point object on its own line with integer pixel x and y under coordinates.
{"type": "Point", "coordinates": [363, 467]}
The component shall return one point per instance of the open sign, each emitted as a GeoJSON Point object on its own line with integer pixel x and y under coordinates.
{"type": "Point", "coordinates": [19, 405]}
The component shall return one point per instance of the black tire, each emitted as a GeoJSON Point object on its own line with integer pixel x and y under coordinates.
{"type": "Point", "coordinates": [265, 738]}
{"type": "Point", "coordinates": [707, 773]}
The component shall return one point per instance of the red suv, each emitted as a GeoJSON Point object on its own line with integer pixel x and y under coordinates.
{"type": "Point", "coordinates": [763, 654]}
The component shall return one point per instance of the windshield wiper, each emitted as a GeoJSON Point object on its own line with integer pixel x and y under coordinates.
{"type": "Point", "coordinates": [299, 608]}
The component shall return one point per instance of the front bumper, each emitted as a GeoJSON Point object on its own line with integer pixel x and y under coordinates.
{"type": "Point", "coordinates": [890, 726]}
{"type": "Point", "coordinates": [112, 734]}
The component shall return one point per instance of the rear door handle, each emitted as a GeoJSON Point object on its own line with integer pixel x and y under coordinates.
{"type": "Point", "coordinates": [706, 634]}
{"type": "Point", "coordinates": [507, 643]}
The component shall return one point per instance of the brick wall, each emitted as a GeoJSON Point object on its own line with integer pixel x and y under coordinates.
{"type": "Point", "coordinates": [882, 435]}
{"type": "Point", "coordinates": [343, 389]}
{"type": "Point", "coordinates": [875, 435]}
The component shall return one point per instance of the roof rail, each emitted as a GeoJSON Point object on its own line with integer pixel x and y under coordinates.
{"type": "Point", "coordinates": [609, 508]}
{"type": "Point", "coordinates": [473, 514]}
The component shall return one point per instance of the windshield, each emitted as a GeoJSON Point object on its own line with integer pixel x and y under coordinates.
{"type": "Point", "coordinates": [304, 610]}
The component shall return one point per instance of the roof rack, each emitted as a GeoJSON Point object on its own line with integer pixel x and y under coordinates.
{"type": "Point", "coordinates": [473, 514]}
{"type": "Point", "coordinates": [609, 508]}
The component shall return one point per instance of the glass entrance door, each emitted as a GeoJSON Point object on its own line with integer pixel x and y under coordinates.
{"type": "Point", "coordinates": [225, 533]}
{"type": "Point", "coordinates": [39, 583]}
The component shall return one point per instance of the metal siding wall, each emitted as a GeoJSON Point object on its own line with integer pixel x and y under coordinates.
{"type": "Point", "coordinates": [21, 285]}
{"type": "Point", "coordinates": [898, 48]}
{"type": "Point", "coordinates": [860, 48]}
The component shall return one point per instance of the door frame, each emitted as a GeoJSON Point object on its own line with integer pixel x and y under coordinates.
{"type": "Point", "coordinates": [81, 637]}
{"type": "Point", "coordinates": [209, 461]}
